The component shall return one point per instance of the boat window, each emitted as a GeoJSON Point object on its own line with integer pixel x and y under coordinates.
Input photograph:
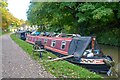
{"type": "Point", "coordinates": [63, 44]}
{"type": "Point", "coordinates": [30, 38]}
{"type": "Point", "coordinates": [53, 43]}
{"type": "Point", "coordinates": [35, 39]}
{"type": "Point", "coordinates": [27, 38]}
{"type": "Point", "coordinates": [45, 41]}
{"type": "Point", "coordinates": [40, 39]}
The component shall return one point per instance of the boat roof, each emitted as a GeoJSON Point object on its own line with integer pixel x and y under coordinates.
{"type": "Point", "coordinates": [53, 38]}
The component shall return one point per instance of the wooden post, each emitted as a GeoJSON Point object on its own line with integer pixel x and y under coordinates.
{"type": "Point", "coordinates": [65, 57]}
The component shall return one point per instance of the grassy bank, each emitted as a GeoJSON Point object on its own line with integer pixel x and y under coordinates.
{"type": "Point", "coordinates": [59, 68]}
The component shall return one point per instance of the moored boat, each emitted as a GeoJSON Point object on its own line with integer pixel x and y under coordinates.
{"type": "Point", "coordinates": [85, 50]}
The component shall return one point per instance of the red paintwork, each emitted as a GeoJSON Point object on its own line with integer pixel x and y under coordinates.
{"type": "Point", "coordinates": [57, 48]}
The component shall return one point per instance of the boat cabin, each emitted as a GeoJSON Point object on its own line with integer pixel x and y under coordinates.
{"type": "Point", "coordinates": [77, 46]}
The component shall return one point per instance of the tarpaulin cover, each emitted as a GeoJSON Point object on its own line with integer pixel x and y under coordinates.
{"type": "Point", "coordinates": [35, 33]}
{"type": "Point", "coordinates": [78, 45]}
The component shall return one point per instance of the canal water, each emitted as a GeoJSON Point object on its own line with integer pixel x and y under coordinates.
{"type": "Point", "coordinates": [111, 51]}
{"type": "Point", "coordinates": [114, 53]}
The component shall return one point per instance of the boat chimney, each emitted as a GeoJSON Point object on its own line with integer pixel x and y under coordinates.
{"type": "Point", "coordinates": [93, 43]}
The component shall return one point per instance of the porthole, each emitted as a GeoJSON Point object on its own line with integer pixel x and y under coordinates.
{"type": "Point", "coordinates": [53, 43]}
{"type": "Point", "coordinates": [35, 39]}
{"type": "Point", "coordinates": [45, 41]}
{"type": "Point", "coordinates": [63, 44]}
{"type": "Point", "coordinates": [27, 38]}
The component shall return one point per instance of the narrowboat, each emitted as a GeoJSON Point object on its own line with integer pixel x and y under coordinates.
{"type": "Point", "coordinates": [21, 34]}
{"type": "Point", "coordinates": [85, 50]}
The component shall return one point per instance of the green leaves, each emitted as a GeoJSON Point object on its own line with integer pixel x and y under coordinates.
{"type": "Point", "coordinates": [75, 17]}
{"type": "Point", "coordinates": [102, 12]}
{"type": "Point", "coordinates": [3, 4]}
{"type": "Point", "coordinates": [86, 7]}
{"type": "Point", "coordinates": [81, 16]}
{"type": "Point", "coordinates": [7, 17]}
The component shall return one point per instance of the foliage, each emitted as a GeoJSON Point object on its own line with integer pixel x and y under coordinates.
{"type": "Point", "coordinates": [60, 69]}
{"type": "Point", "coordinates": [110, 37]}
{"type": "Point", "coordinates": [75, 17]}
{"type": "Point", "coordinates": [7, 18]}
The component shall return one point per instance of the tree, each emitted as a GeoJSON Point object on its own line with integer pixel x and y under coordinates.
{"type": "Point", "coordinates": [76, 17]}
{"type": "Point", "coordinates": [7, 17]}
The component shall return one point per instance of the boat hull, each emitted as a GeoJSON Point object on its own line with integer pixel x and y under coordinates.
{"type": "Point", "coordinates": [99, 68]}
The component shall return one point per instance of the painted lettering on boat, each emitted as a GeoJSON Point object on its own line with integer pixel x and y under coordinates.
{"type": "Point", "coordinates": [92, 61]}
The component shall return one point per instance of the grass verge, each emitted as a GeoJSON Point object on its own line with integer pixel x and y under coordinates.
{"type": "Point", "coordinates": [60, 69]}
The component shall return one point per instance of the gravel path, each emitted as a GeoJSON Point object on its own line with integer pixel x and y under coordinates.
{"type": "Point", "coordinates": [0, 57]}
{"type": "Point", "coordinates": [17, 64]}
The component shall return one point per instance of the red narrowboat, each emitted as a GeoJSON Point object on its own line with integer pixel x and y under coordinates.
{"type": "Point", "coordinates": [85, 50]}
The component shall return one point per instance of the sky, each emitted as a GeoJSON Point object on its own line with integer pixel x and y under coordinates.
{"type": "Point", "coordinates": [18, 8]}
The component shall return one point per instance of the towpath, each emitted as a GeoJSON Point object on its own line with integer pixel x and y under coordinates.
{"type": "Point", "coordinates": [16, 63]}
